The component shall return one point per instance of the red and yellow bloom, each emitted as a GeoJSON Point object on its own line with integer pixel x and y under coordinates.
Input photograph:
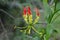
{"type": "Point", "coordinates": [27, 15]}
{"type": "Point", "coordinates": [30, 15]}
{"type": "Point", "coordinates": [37, 15]}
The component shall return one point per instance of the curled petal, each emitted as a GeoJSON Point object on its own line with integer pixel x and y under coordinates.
{"type": "Point", "coordinates": [24, 11]}
{"type": "Point", "coordinates": [25, 14]}
{"type": "Point", "coordinates": [29, 11]}
{"type": "Point", "coordinates": [37, 12]}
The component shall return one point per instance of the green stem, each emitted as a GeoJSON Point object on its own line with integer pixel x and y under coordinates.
{"type": "Point", "coordinates": [40, 33]}
{"type": "Point", "coordinates": [55, 5]}
{"type": "Point", "coordinates": [35, 30]}
{"type": "Point", "coordinates": [28, 29]}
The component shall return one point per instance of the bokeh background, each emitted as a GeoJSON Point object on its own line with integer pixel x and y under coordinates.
{"type": "Point", "coordinates": [11, 14]}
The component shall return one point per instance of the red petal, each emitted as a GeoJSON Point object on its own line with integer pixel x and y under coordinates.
{"type": "Point", "coordinates": [29, 11]}
{"type": "Point", "coordinates": [37, 12]}
{"type": "Point", "coordinates": [24, 11]}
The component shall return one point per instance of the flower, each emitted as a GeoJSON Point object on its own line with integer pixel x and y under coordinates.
{"type": "Point", "coordinates": [37, 12]}
{"type": "Point", "coordinates": [37, 15]}
{"type": "Point", "coordinates": [30, 15]}
{"type": "Point", "coordinates": [25, 14]}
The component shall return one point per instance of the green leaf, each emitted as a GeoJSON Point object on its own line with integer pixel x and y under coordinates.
{"type": "Point", "coordinates": [47, 10]}
{"type": "Point", "coordinates": [55, 17]}
{"type": "Point", "coordinates": [49, 30]}
{"type": "Point", "coordinates": [35, 38]}
{"type": "Point", "coordinates": [58, 6]}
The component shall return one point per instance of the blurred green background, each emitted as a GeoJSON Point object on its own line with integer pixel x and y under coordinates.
{"type": "Point", "coordinates": [11, 14]}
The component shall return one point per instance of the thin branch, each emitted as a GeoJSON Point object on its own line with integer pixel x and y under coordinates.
{"type": "Point", "coordinates": [52, 1]}
{"type": "Point", "coordinates": [7, 13]}
{"type": "Point", "coordinates": [2, 25]}
{"type": "Point", "coordinates": [4, 29]}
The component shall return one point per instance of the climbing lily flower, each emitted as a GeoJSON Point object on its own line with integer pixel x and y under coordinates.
{"type": "Point", "coordinates": [37, 15]}
{"type": "Point", "coordinates": [25, 14]}
{"type": "Point", "coordinates": [30, 15]}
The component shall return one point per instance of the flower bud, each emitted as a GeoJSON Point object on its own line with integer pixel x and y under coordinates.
{"type": "Point", "coordinates": [25, 14]}
{"type": "Point", "coordinates": [37, 15]}
{"type": "Point", "coordinates": [29, 11]}
{"type": "Point", "coordinates": [37, 12]}
{"type": "Point", "coordinates": [30, 15]}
